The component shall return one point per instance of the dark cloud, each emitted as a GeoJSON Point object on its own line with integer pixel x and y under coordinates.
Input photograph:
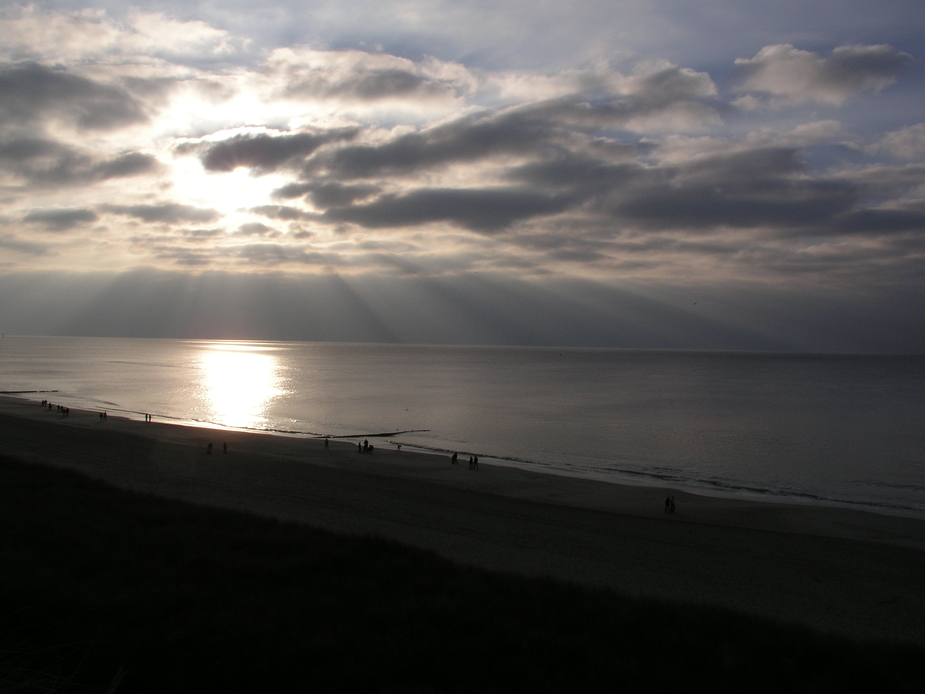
{"type": "Point", "coordinates": [334, 194]}
{"type": "Point", "coordinates": [469, 138]}
{"type": "Point", "coordinates": [368, 85]}
{"type": "Point", "coordinates": [577, 173]}
{"type": "Point", "coordinates": [169, 213]}
{"type": "Point", "coordinates": [880, 221]}
{"type": "Point", "coordinates": [484, 210]}
{"type": "Point", "coordinates": [543, 130]}
{"type": "Point", "coordinates": [30, 93]}
{"type": "Point", "coordinates": [48, 163]}
{"type": "Point", "coordinates": [759, 187]}
{"type": "Point", "coordinates": [130, 164]}
{"type": "Point", "coordinates": [60, 220]}
{"type": "Point", "coordinates": [264, 152]}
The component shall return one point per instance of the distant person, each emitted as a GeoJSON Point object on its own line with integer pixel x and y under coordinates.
{"type": "Point", "coordinates": [359, 447]}
{"type": "Point", "coordinates": [453, 460]}
{"type": "Point", "coordinates": [667, 504]}
{"type": "Point", "coordinates": [365, 445]}
{"type": "Point", "coordinates": [671, 508]}
{"type": "Point", "coordinates": [224, 448]}
{"type": "Point", "coordinates": [475, 462]}
{"type": "Point", "coordinates": [209, 448]}
{"type": "Point", "coordinates": [325, 442]}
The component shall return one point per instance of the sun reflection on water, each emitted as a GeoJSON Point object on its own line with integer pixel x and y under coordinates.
{"type": "Point", "coordinates": [239, 381]}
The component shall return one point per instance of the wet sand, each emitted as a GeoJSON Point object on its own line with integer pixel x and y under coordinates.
{"type": "Point", "coordinates": [838, 570]}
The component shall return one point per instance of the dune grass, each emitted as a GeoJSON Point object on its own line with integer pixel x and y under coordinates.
{"type": "Point", "coordinates": [108, 590]}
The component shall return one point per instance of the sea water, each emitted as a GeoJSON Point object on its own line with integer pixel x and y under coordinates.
{"type": "Point", "coordinates": [812, 428]}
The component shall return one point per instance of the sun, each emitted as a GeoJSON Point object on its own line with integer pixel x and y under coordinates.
{"type": "Point", "coordinates": [228, 192]}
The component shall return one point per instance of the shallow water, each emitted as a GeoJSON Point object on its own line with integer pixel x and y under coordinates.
{"type": "Point", "coordinates": [799, 427]}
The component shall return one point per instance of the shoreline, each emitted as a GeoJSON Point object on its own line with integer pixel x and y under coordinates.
{"type": "Point", "coordinates": [617, 477]}
{"type": "Point", "coordinates": [844, 571]}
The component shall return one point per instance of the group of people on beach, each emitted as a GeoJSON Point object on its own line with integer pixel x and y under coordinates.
{"type": "Point", "coordinates": [473, 461]}
{"type": "Point", "coordinates": [65, 411]}
{"type": "Point", "coordinates": [209, 448]}
{"type": "Point", "coordinates": [364, 447]}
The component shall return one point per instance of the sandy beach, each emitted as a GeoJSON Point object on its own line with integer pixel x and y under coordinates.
{"type": "Point", "coordinates": [838, 570]}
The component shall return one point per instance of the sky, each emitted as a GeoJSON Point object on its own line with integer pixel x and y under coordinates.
{"type": "Point", "coordinates": [630, 173]}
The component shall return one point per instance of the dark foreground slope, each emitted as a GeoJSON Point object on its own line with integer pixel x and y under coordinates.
{"type": "Point", "coordinates": [109, 590]}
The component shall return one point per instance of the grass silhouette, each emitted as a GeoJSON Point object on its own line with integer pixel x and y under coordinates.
{"type": "Point", "coordinates": [108, 590]}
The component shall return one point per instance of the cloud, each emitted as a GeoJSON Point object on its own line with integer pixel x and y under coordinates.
{"type": "Point", "coordinates": [256, 229]}
{"type": "Point", "coordinates": [12, 243]}
{"type": "Point", "coordinates": [538, 129]}
{"type": "Point", "coordinates": [882, 221]}
{"type": "Point", "coordinates": [906, 143]}
{"type": "Point", "coordinates": [86, 34]}
{"type": "Point", "coordinates": [483, 210]}
{"type": "Point", "coordinates": [353, 75]}
{"type": "Point", "coordinates": [330, 194]}
{"type": "Point", "coordinates": [48, 163]}
{"type": "Point", "coordinates": [168, 213]}
{"type": "Point", "coordinates": [469, 138]}
{"type": "Point", "coordinates": [788, 75]}
{"type": "Point", "coordinates": [283, 212]}
{"type": "Point", "coordinates": [279, 254]}
{"type": "Point", "coordinates": [60, 220]}
{"type": "Point", "coordinates": [263, 152]}
{"type": "Point", "coordinates": [31, 93]}
{"type": "Point", "coordinates": [761, 187]}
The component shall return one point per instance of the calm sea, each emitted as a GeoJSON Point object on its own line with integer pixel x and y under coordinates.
{"type": "Point", "coordinates": [810, 428]}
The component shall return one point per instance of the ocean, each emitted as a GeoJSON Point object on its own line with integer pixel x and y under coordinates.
{"type": "Point", "coordinates": [825, 429]}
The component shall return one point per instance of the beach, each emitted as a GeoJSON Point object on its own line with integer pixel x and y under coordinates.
{"type": "Point", "coordinates": [838, 570]}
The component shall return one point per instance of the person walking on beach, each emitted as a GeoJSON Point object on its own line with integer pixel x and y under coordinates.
{"type": "Point", "coordinates": [453, 460]}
